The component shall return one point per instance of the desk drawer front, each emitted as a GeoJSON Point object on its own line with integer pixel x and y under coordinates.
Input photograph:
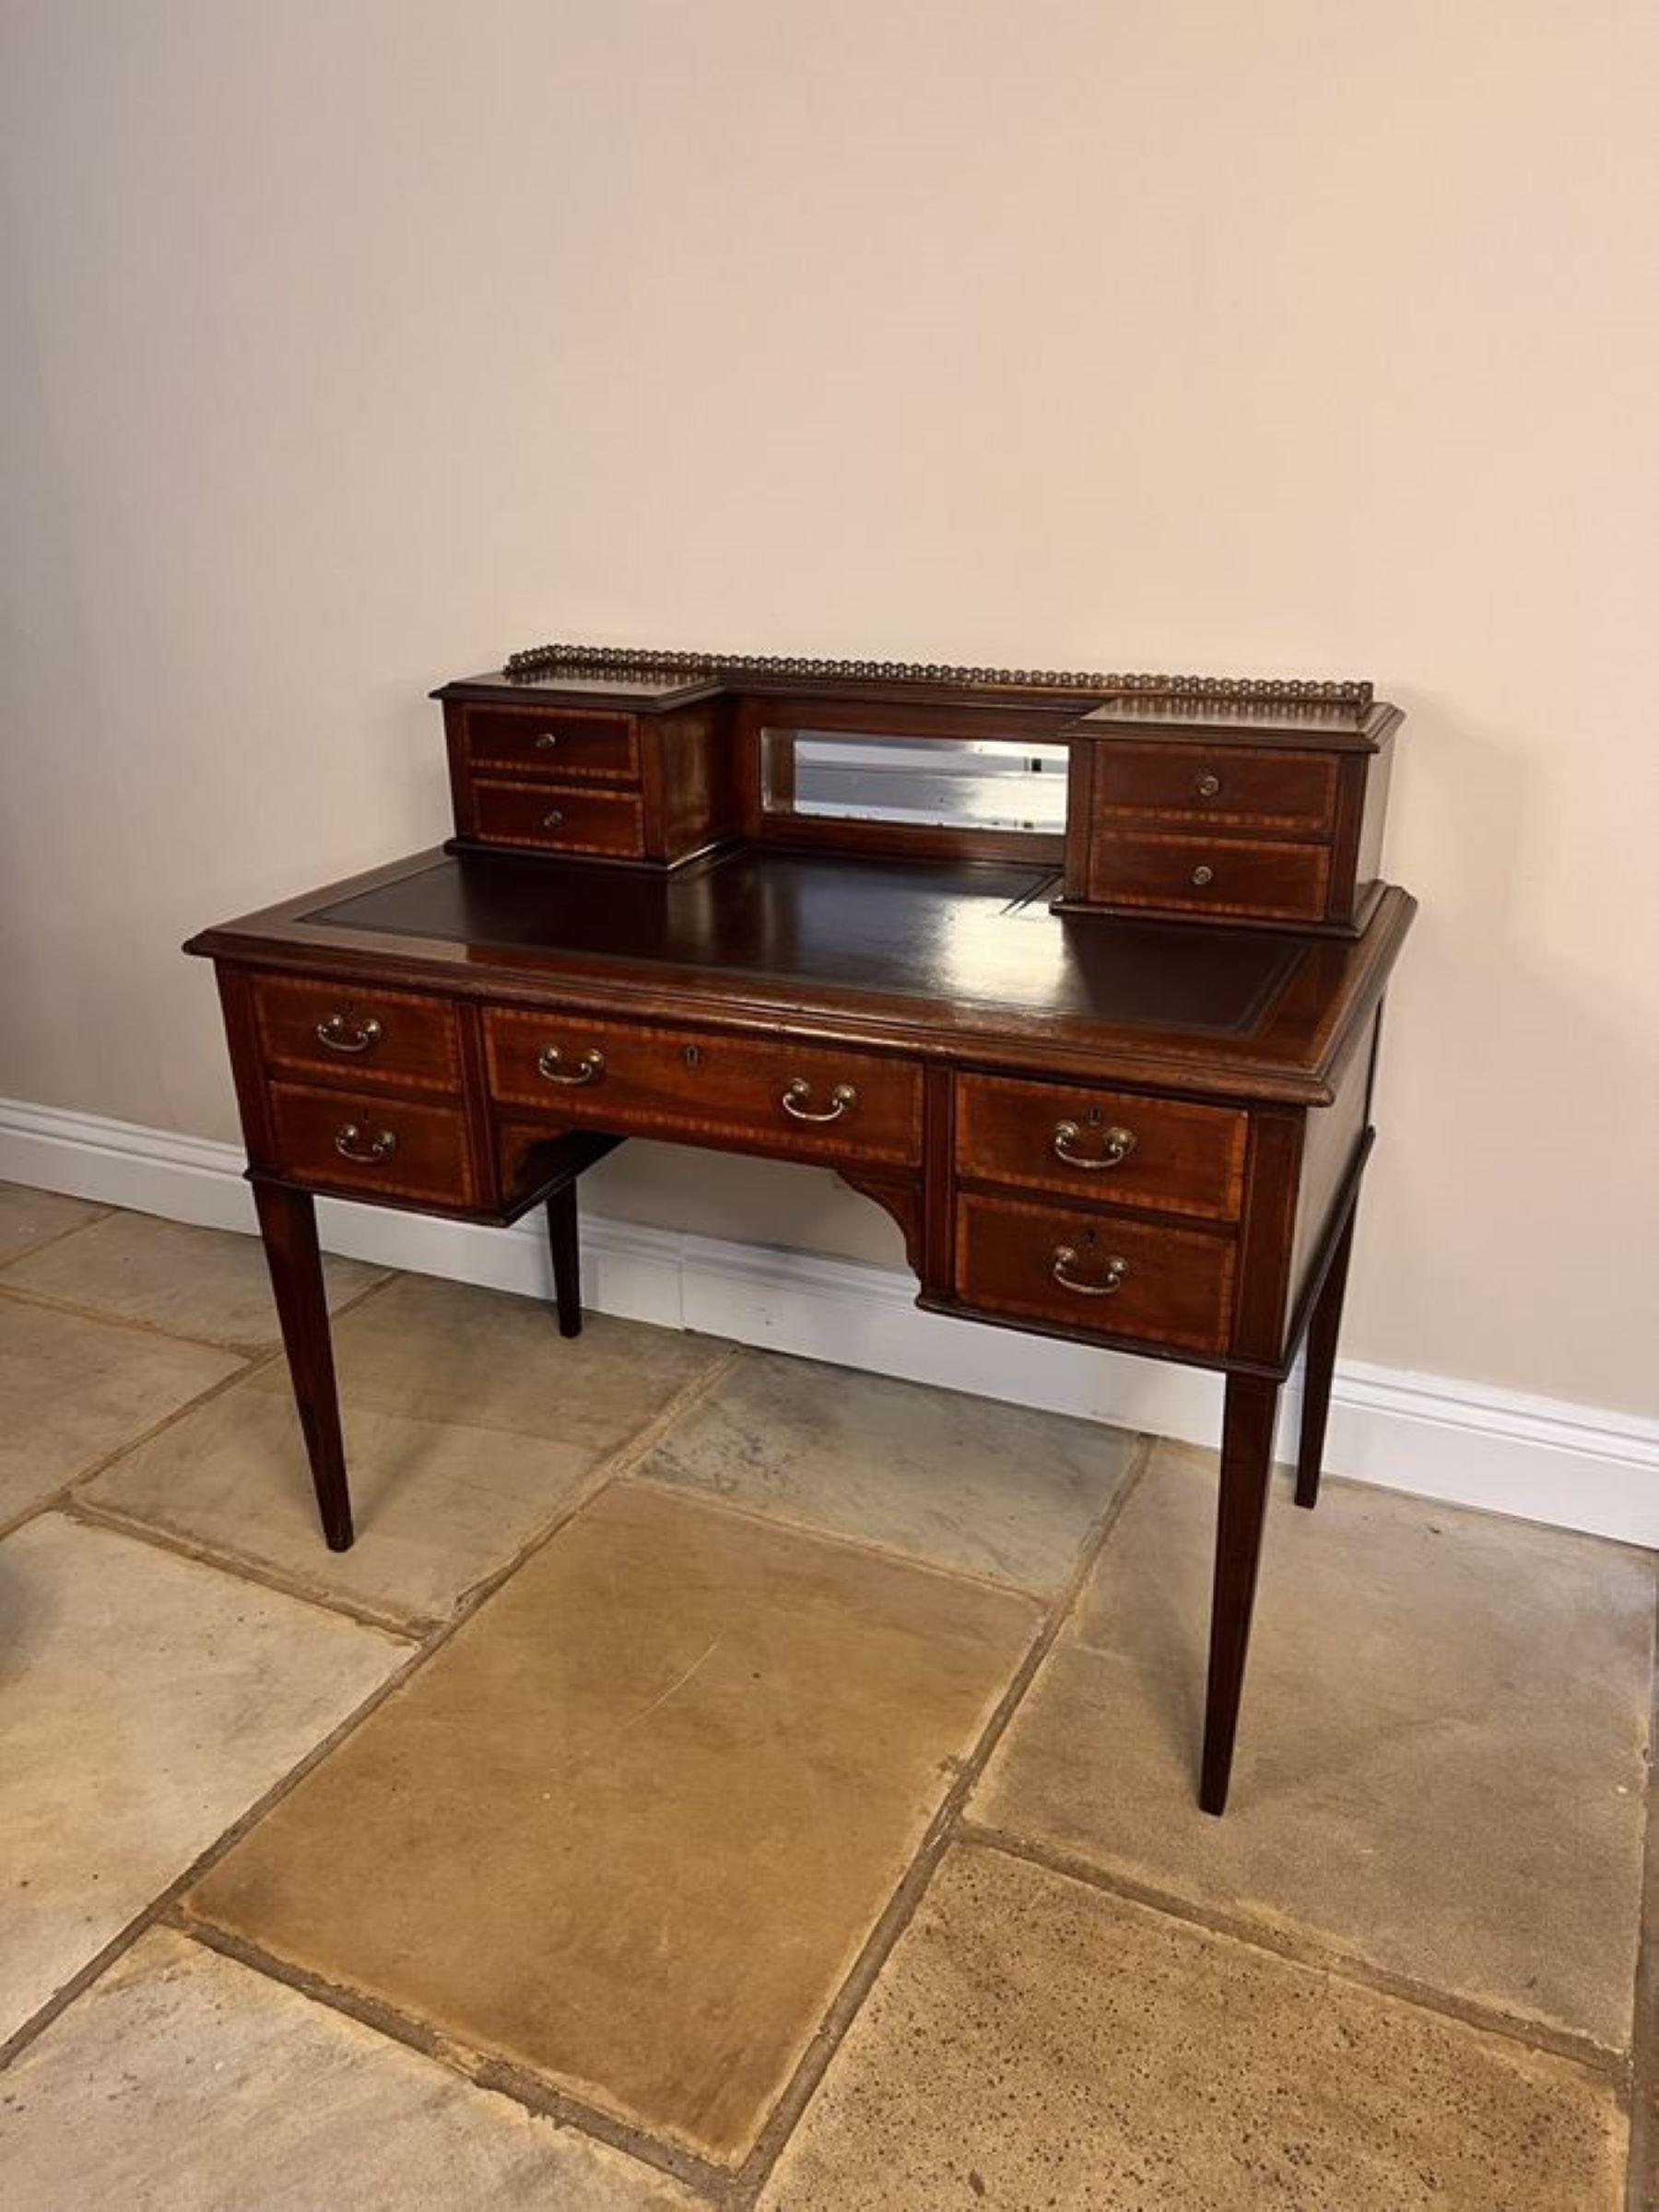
{"type": "Point", "coordinates": [803, 1101]}
{"type": "Point", "coordinates": [338, 1140]}
{"type": "Point", "coordinates": [1212, 874]}
{"type": "Point", "coordinates": [1095, 1273]}
{"type": "Point", "coordinates": [1113, 1147]}
{"type": "Point", "coordinates": [549, 817]}
{"type": "Point", "coordinates": [358, 1036]}
{"type": "Point", "coordinates": [553, 742]}
{"type": "Point", "coordinates": [1229, 785]}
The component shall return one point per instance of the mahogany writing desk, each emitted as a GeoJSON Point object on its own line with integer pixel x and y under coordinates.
{"type": "Point", "coordinates": [1112, 1080]}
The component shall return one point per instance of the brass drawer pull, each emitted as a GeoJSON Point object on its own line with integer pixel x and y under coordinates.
{"type": "Point", "coordinates": [588, 1069]}
{"type": "Point", "coordinates": [1113, 1276]}
{"type": "Point", "coordinates": [1202, 874]}
{"type": "Point", "coordinates": [1209, 787]}
{"type": "Point", "coordinates": [553, 819]}
{"type": "Point", "coordinates": [349, 1143]}
{"type": "Point", "coordinates": [547, 740]}
{"type": "Point", "coordinates": [336, 1035]}
{"type": "Point", "coordinates": [1117, 1144]}
{"type": "Point", "coordinates": [842, 1100]}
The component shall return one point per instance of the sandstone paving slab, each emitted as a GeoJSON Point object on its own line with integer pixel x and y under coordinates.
{"type": "Point", "coordinates": [470, 1424]}
{"type": "Point", "coordinates": [183, 2082]}
{"type": "Point", "coordinates": [1442, 1755]}
{"type": "Point", "coordinates": [29, 1218]}
{"type": "Point", "coordinates": [206, 1283]}
{"type": "Point", "coordinates": [74, 1390]}
{"type": "Point", "coordinates": [631, 1827]}
{"type": "Point", "coordinates": [964, 1482]}
{"type": "Point", "coordinates": [146, 1703]}
{"type": "Point", "coordinates": [1034, 2042]}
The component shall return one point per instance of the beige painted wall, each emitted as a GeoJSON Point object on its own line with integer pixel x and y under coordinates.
{"type": "Point", "coordinates": [347, 346]}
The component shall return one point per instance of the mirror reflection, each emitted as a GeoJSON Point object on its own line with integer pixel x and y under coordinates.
{"type": "Point", "coordinates": [948, 783]}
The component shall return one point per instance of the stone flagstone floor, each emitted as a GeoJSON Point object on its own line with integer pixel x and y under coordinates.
{"type": "Point", "coordinates": [715, 1778]}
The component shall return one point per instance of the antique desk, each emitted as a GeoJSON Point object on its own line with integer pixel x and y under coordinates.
{"type": "Point", "coordinates": [1079, 977]}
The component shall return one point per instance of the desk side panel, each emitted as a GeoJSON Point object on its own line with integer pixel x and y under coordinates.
{"type": "Point", "coordinates": [240, 1013]}
{"type": "Point", "coordinates": [1331, 1145]}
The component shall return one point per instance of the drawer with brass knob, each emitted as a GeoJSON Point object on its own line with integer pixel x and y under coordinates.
{"type": "Point", "coordinates": [359, 1036]}
{"type": "Point", "coordinates": [798, 1101]}
{"type": "Point", "coordinates": [1279, 882]}
{"type": "Point", "coordinates": [1095, 1274]}
{"type": "Point", "coordinates": [1110, 1148]}
{"type": "Point", "coordinates": [552, 741]}
{"type": "Point", "coordinates": [548, 817]}
{"type": "Point", "coordinates": [1236, 785]}
{"type": "Point", "coordinates": [371, 1145]}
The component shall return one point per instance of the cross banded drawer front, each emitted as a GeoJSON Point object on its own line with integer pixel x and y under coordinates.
{"type": "Point", "coordinates": [357, 1036]}
{"type": "Point", "coordinates": [1095, 1274]}
{"type": "Point", "coordinates": [549, 817]}
{"type": "Point", "coordinates": [799, 1102]}
{"type": "Point", "coordinates": [1212, 874]}
{"type": "Point", "coordinates": [1113, 1147]}
{"type": "Point", "coordinates": [1227, 784]}
{"type": "Point", "coordinates": [548, 741]}
{"type": "Point", "coordinates": [338, 1140]}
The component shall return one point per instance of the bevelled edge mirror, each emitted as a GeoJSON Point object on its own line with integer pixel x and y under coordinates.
{"type": "Point", "coordinates": [946, 793]}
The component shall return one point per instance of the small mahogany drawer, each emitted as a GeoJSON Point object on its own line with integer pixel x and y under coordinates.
{"type": "Point", "coordinates": [555, 818]}
{"type": "Point", "coordinates": [553, 742]}
{"type": "Point", "coordinates": [1098, 1273]}
{"type": "Point", "coordinates": [359, 1035]}
{"type": "Point", "coordinates": [805, 1101]}
{"type": "Point", "coordinates": [342, 1141]}
{"type": "Point", "coordinates": [1115, 1146]}
{"type": "Point", "coordinates": [1238, 785]}
{"type": "Point", "coordinates": [1212, 874]}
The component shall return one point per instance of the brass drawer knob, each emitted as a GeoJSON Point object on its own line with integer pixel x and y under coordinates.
{"type": "Point", "coordinates": [1209, 787]}
{"type": "Point", "coordinates": [350, 1145]}
{"type": "Point", "coordinates": [547, 740]}
{"type": "Point", "coordinates": [553, 819]}
{"type": "Point", "coordinates": [341, 1034]}
{"type": "Point", "coordinates": [1202, 874]}
{"type": "Point", "coordinates": [550, 1065]}
{"type": "Point", "coordinates": [1116, 1146]}
{"type": "Point", "coordinates": [1111, 1275]}
{"type": "Point", "coordinates": [842, 1100]}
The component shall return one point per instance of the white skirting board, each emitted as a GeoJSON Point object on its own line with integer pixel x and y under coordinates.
{"type": "Point", "coordinates": [1468, 1443]}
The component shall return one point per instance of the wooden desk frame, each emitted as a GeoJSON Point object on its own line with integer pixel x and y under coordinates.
{"type": "Point", "coordinates": [385, 1051]}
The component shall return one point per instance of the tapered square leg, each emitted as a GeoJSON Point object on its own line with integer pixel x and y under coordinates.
{"type": "Point", "coordinates": [1324, 1327]}
{"type": "Point", "coordinates": [566, 1257]}
{"type": "Point", "coordinates": [1247, 1467]}
{"type": "Point", "coordinates": [287, 1223]}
